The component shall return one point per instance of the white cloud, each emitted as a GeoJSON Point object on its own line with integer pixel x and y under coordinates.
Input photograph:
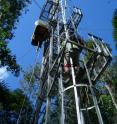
{"type": "Point", "coordinates": [3, 73]}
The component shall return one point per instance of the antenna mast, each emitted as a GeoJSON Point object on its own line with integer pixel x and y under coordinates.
{"type": "Point", "coordinates": [70, 69]}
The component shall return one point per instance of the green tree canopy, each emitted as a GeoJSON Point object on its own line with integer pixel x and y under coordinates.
{"type": "Point", "coordinates": [11, 104]}
{"type": "Point", "coordinates": [10, 10]}
{"type": "Point", "coordinates": [30, 82]}
{"type": "Point", "coordinates": [114, 22]}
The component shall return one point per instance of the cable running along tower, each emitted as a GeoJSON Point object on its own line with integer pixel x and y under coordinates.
{"type": "Point", "coordinates": [70, 68]}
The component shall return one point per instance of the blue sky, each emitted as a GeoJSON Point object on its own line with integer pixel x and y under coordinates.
{"type": "Point", "coordinates": [97, 17]}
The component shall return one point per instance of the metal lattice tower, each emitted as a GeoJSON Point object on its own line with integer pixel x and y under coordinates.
{"type": "Point", "coordinates": [70, 69]}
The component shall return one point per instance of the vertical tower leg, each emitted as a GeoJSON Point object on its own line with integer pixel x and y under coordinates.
{"type": "Point", "coordinates": [48, 114]}
{"type": "Point", "coordinates": [94, 96]}
{"type": "Point", "coordinates": [62, 116]}
{"type": "Point", "coordinates": [77, 100]}
{"type": "Point", "coordinates": [48, 111]}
